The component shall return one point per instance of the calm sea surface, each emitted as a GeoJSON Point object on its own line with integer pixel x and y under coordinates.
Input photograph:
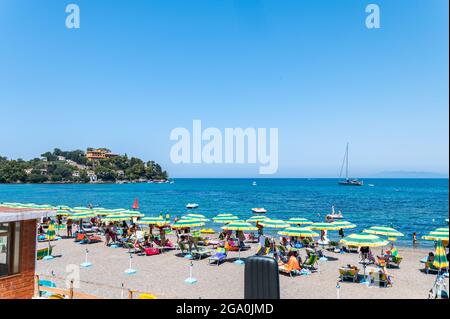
{"type": "Point", "coordinates": [410, 205]}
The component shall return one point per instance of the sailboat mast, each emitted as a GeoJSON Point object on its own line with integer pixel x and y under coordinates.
{"type": "Point", "coordinates": [346, 171]}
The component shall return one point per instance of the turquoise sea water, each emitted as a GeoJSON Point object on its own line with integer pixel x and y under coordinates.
{"type": "Point", "coordinates": [419, 205]}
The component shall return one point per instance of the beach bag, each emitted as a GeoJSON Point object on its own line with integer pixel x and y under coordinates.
{"type": "Point", "coordinates": [151, 251]}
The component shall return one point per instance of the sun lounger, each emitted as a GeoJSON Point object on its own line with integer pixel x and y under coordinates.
{"type": "Point", "coordinates": [395, 261]}
{"type": "Point", "coordinates": [200, 253]}
{"type": "Point", "coordinates": [311, 262]}
{"type": "Point", "coordinates": [219, 256]}
{"type": "Point", "coordinates": [348, 273]}
{"type": "Point", "coordinates": [429, 267]}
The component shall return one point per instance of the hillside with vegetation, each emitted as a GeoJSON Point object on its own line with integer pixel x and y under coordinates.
{"type": "Point", "coordinates": [76, 167]}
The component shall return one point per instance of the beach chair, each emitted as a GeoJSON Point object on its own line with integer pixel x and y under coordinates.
{"type": "Point", "coordinates": [395, 261]}
{"type": "Point", "coordinates": [200, 253]}
{"type": "Point", "coordinates": [429, 267]}
{"type": "Point", "coordinates": [230, 246]}
{"type": "Point", "coordinates": [379, 278]}
{"type": "Point", "coordinates": [41, 253]}
{"type": "Point", "coordinates": [349, 273]}
{"type": "Point", "coordinates": [311, 262]}
{"type": "Point", "coordinates": [219, 256]}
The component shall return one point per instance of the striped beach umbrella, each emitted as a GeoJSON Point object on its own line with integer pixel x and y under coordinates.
{"type": "Point", "coordinates": [299, 221]}
{"type": "Point", "coordinates": [257, 218]}
{"type": "Point", "coordinates": [344, 224]}
{"type": "Point", "coordinates": [132, 213]}
{"type": "Point", "coordinates": [223, 215]}
{"type": "Point", "coordinates": [82, 215]}
{"type": "Point", "coordinates": [239, 225]}
{"type": "Point", "coordinates": [63, 212]}
{"type": "Point", "coordinates": [296, 231]}
{"type": "Point", "coordinates": [157, 221]}
{"type": "Point", "coordinates": [442, 229]}
{"type": "Point", "coordinates": [323, 226]}
{"type": "Point", "coordinates": [364, 240]}
{"type": "Point", "coordinates": [383, 231]}
{"type": "Point", "coordinates": [440, 258]}
{"type": "Point", "coordinates": [436, 236]}
{"type": "Point", "coordinates": [63, 207]}
{"type": "Point", "coordinates": [195, 216]}
{"type": "Point", "coordinates": [187, 223]}
{"type": "Point", "coordinates": [116, 218]}
{"type": "Point", "coordinates": [274, 223]}
{"type": "Point", "coordinates": [225, 219]}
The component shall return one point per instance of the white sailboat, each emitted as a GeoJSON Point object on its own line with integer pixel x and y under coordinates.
{"type": "Point", "coordinates": [348, 181]}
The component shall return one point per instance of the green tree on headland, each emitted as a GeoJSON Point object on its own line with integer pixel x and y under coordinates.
{"type": "Point", "coordinates": [74, 167]}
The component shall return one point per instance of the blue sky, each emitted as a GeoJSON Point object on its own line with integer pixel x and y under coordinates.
{"type": "Point", "coordinates": [137, 69]}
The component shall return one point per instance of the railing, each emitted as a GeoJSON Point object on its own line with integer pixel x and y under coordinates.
{"type": "Point", "coordinates": [70, 293]}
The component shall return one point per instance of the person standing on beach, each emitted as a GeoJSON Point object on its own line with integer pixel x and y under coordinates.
{"type": "Point", "coordinates": [414, 239]}
{"type": "Point", "coordinates": [69, 227]}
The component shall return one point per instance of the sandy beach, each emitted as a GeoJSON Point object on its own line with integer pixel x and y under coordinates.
{"type": "Point", "coordinates": [163, 275]}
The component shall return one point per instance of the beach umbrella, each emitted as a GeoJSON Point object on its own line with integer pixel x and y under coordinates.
{"type": "Point", "coordinates": [364, 240]}
{"type": "Point", "coordinates": [239, 225]}
{"type": "Point", "coordinates": [442, 229]}
{"type": "Point", "coordinates": [225, 219]}
{"type": "Point", "coordinates": [133, 213]}
{"type": "Point", "coordinates": [82, 215]}
{"type": "Point", "coordinates": [223, 215]}
{"type": "Point", "coordinates": [299, 221]}
{"type": "Point", "coordinates": [195, 216]}
{"type": "Point", "coordinates": [80, 209]}
{"type": "Point", "coordinates": [63, 207]}
{"type": "Point", "coordinates": [187, 223]}
{"type": "Point", "coordinates": [440, 258]}
{"type": "Point", "coordinates": [344, 224]}
{"type": "Point", "coordinates": [153, 221]}
{"type": "Point", "coordinates": [257, 218]}
{"type": "Point", "coordinates": [295, 231]}
{"type": "Point", "coordinates": [384, 231]}
{"type": "Point", "coordinates": [436, 236]}
{"type": "Point", "coordinates": [323, 226]}
{"type": "Point", "coordinates": [274, 223]}
{"type": "Point", "coordinates": [116, 218]}
{"type": "Point", "coordinates": [63, 212]}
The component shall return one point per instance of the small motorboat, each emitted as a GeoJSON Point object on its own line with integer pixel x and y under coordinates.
{"type": "Point", "coordinates": [192, 206]}
{"type": "Point", "coordinates": [259, 210]}
{"type": "Point", "coordinates": [254, 184]}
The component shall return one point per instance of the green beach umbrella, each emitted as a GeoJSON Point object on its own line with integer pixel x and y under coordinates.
{"type": "Point", "coordinates": [298, 232]}
{"type": "Point", "coordinates": [436, 236]}
{"type": "Point", "coordinates": [257, 218]}
{"type": "Point", "coordinates": [299, 221]}
{"type": "Point", "coordinates": [82, 215]}
{"type": "Point", "coordinates": [132, 213]}
{"type": "Point", "coordinates": [364, 240]}
{"type": "Point", "coordinates": [274, 223]}
{"type": "Point", "coordinates": [383, 231]}
{"type": "Point", "coordinates": [344, 224]}
{"type": "Point", "coordinates": [323, 226]}
{"type": "Point", "coordinates": [239, 225]}
{"type": "Point", "coordinates": [63, 207]}
{"type": "Point", "coordinates": [187, 223]}
{"type": "Point", "coordinates": [63, 212]}
{"type": "Point", "coordinates": [116, 218]}
{"type": "Point", "coordinates": [225, 219]}
{"type": "Point", "coordinates": [442, 229]}
{"type": "Point", "coordinates": [223, 215]}
{"type": "Point", "coordinates": [158, 221]}
{"type": "Point", "coordinates": [195, 216]}
{"type": "Point", "coordinates": [440, 258]}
